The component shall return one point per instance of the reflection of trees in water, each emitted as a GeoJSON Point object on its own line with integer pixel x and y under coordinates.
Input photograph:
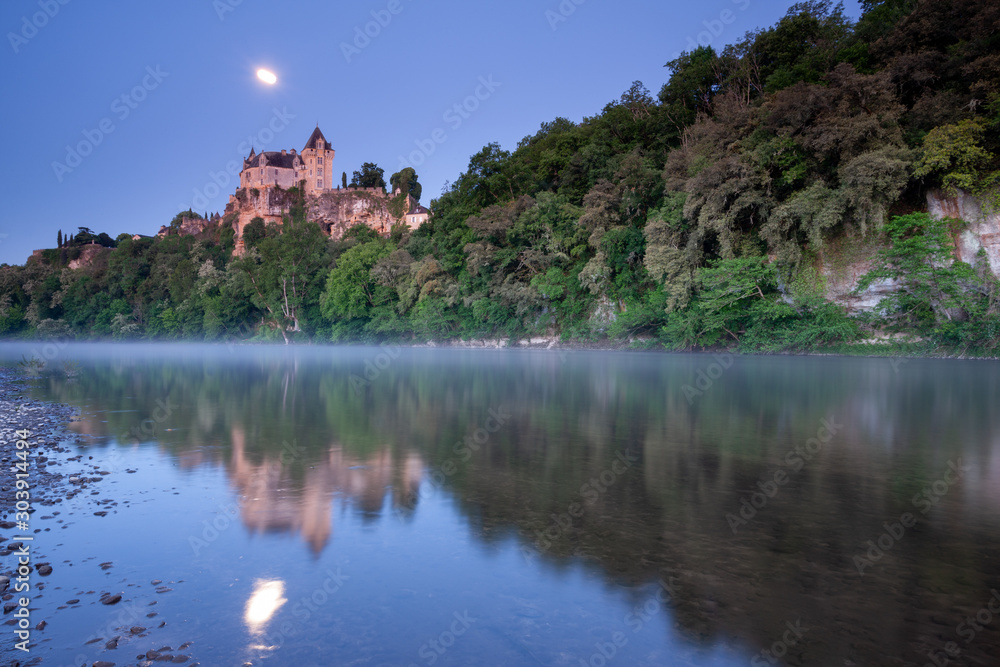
{"type": "Point", "coordinates": [664, 517]}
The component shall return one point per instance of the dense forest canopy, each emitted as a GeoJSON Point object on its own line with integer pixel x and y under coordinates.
{"type": "Point", "coordinates": [695, 217]}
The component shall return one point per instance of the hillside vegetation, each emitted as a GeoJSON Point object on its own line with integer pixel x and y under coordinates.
{"type": "Point", "coordinates": [691, 219]}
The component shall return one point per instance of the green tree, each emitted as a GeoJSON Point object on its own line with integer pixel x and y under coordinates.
{"type": "Point", "coordinates": [283, 275]}
{"type": "Point", "coordinates": [370, 176]}
{"type": "Point", "coordinates": [955, 156]}
{"type": "Point", "coordinates": [692, 87]}
{"type": "Point", "coordinates": [406, 182]}
{"type": "Point", "coordinates": [935, 294]}
{"type": "Point", "coordinates": [255, 231]}
{"type": "Point", "coordinates": [351, 289]}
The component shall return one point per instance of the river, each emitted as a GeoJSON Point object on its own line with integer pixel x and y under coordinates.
{"type": "Point", "coordinates": [391, 506]}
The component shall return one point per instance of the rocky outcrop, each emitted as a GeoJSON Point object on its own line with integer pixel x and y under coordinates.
{"type": "Point", "coordinates": [842, 262]}
{"type": "Point", "coordinates": [192, 226]}
{"type": "Point", "coordinates": [981, 233]}
{"type": "Point", "coordinates": [335, 211]}
{"type": "Point", "coordinates": [267, 203]}
{"type": "Point", "coordinates": [88, 255]}
{"type": "Point", "coordinates": [339, 210]}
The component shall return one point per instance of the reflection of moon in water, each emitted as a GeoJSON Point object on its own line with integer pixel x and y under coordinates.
{"type": "Point", "coordinates": [267, 598]}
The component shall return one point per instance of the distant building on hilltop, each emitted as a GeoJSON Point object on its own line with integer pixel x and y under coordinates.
{"type": "Point", "coordinates": [267, 187]}
{"type": "Point", "coordinates": [287, 169]}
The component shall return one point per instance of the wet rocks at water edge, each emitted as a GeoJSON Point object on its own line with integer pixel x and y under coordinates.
{"type": "Point", "coordinates": [44, 421]}
{"type": "Point", "coordinates": [56, 475]}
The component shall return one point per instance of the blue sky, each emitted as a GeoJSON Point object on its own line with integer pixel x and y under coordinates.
{"type": "Point", "coordinates": [119, 114]}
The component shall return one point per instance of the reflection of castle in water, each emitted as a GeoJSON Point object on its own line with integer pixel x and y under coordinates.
{"type": "Point", "coordinates": [271, 500]}
{"type": "Point", "coordinates": [667, 516]}
{"type": "Point", "coordinates": [287, 490]}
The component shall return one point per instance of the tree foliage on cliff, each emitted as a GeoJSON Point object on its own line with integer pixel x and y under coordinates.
{"type": "Point", "coordinates": [369, 176]}
{"type": "Point", "coordinates": [696, 215]}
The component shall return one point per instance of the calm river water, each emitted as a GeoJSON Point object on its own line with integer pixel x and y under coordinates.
{"type": "Point", "coordinates": [386, 506]}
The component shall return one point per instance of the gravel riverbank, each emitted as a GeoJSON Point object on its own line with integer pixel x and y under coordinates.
{"type": "Point", "coordinates": [52, 476]}
{"type": "Point", "coordinates": [45, 424]}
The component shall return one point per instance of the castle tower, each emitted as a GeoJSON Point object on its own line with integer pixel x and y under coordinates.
{"type": "Point", "coordinates": [317, 170]}
{"type": "Point", "coordinates": [245, 173]}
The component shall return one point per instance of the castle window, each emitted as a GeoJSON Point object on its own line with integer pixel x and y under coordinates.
{"type": "Point", "coordinates": [319, 183]}
{"type": "Point", "coordinates": [320, 160]}
{"type": "Point", "coordinates": [319, 172]}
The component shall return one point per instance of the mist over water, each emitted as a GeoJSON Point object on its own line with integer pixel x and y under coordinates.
{"type": "Point", "coordinates": [330, 505]}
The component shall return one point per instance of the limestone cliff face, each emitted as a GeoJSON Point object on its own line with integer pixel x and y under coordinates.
{"type": "Point", "coordinates": [335, 211]}
{"type": "Point", "coordinates": [842, 262]}
{"type": "Point", "coordinates": [982, 232]}
{"type": "Point", "coordinates": [193, 226]}
{"type": "Point", "coordinates": [249, 203]}
{"type": "Point", "coordinates": [89, 254]}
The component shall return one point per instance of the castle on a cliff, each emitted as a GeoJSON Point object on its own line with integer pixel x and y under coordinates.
{"type": "Point", "coordinates": [266, 178]}
{"type": "Point", "coordinates": [287, 169]}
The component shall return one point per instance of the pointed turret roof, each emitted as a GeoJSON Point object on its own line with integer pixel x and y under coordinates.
{"type": "Point", "coordinates": [317, 141]}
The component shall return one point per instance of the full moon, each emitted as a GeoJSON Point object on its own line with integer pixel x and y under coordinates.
{"type": "Point", "coordinates": [267, 76]}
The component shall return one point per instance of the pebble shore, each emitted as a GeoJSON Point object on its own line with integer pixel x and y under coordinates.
{"type": "Point", "coordinates": [56, 476]}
